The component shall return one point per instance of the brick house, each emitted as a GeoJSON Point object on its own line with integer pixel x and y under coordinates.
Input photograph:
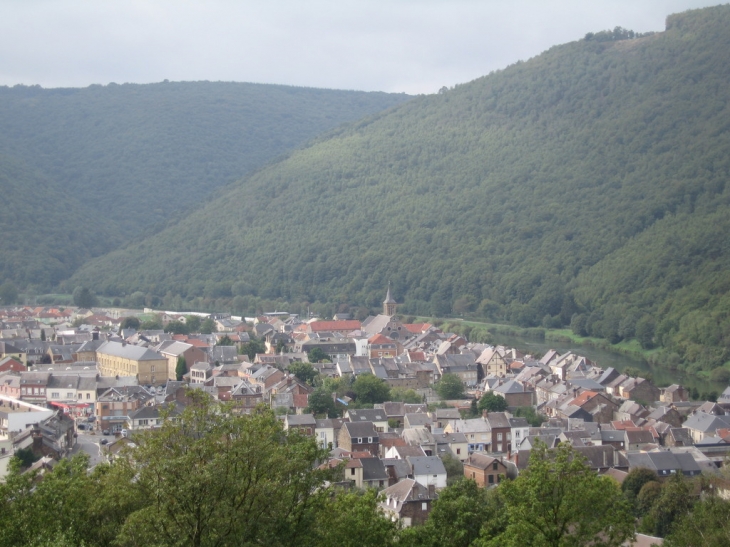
{"type": "Point", "coordinates": [484, 470]}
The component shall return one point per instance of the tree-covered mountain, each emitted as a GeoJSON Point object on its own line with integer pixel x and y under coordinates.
{"type": "Point", "coordinates": [132, 156]}
{"type": "Point", "coordinates": [586, 186]}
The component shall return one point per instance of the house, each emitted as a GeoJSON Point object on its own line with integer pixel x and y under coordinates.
{"type": "Point", "coordinates": [515, 394]}
{"type": "Point", "coordinates": [674, 394]}
{"type": "Point", "coordinates": [114, 406]}
{"type": "Point", "coordinates": [366, 472]}
{"type": "Point", "coordinates": [304, 423]}
{"type": "Point", "coordinates": [408, 501]}
{"type": "Point", "coordinates": [485, 470]}
{"type": "Point", "coordinates": [452, 443]}
{"type": "Point", "coordinates": [500, 430]}
{"type": "Point", "coordinates": [494, 361]}
{"type": "Point", "coordinates": [327, 431]}
{"type": "Point", "coordinates": [11, 364]}
{"type": "Point", "coordinates": [361, 437]}
{"type": "Point", "coordinates": [701, 424]}
{"type": "Point", "coordinates": [376, 416]}
{"type": "Point", "coordinates": [149, 417]}
{"type": "Point", "coordinates": [428, 471]}
{"type": "Point", "coordinates": [665, 463]}
{"type": "Point", "coordinates": [477, 432]}
{"type": "Point", "coordinates": [122, 359]}
{"type": "Point", "coordinates": [172, 350]}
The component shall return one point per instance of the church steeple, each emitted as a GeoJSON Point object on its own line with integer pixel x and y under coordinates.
{"type": "Point", "coordinates": [389, 304]}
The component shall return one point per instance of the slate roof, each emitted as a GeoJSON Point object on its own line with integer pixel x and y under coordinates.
{"type": "Point", "coordinates": [128, 351]}
{"type": "Point", "coordinates": [426, 465]}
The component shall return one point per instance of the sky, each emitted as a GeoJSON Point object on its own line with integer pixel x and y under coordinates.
{"type": "Point", "coordinates": [410, 46]}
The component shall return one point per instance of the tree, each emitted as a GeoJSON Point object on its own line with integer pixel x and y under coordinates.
{"type": "Point", "coordinates": [225, 341]}
{"type": "Point", "coordinates": [450, 387]}
{"type": "Point", "coordinates": [672, 502]}
{"type": "Point", "coordinates": [151, 324]}
{"type": "Point", "coordinates": [462, 513]}
{"type": "Point", "coordinates": [370, 389]}
{"type": "Point", "coordinates": [25, 457]}
{"type": "Point", "coordinates": [559, 501]}
{"type": "Point", "coordinates": [304, 372]}
{"type": "Point", "coordinates": [634, 482]}
{"type": "Point", "coordinates": [320, 402]}
{"type": "Point", "coordinates": [177, 327]}
{"type": "Point", "coordinates": [8, 294]}
{"type": "Point", "coordinates": [84, 298]}
{"type": "Point", "coordinates": [354, 520]}
{"type": "Point", "coordinates": [252, 347]}
{"type": "Point", "coordinates": [193, 322]}
{"type": "Point", "coordinates": [405, 395]}
{"type": "Point", "coordinates": [181, 369]}
{"type": "Point", "coordinates": [707, 525]}
{"type": "Point", "coordinates": [317, 355]}
{"type": "Point", "coordinates": [208, 326]}
{"type": "Point", "coordinates": [129, 323]}
{"type": "Point", "coordinates": [528, 413]}
{"type": "Point", "coordinates": [214, 477]}
{"type": "Point", "coordinates": [492, 402]}
{"type": "Point", "coordinates": [454, 468]}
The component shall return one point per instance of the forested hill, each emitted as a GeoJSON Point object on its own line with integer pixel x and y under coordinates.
{"type": "Point", "coordinates": [586, 185]}
{"type": "Point", "coordinates": [133, 155]}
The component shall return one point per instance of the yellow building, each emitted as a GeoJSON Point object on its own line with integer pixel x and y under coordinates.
{"type": "Point", "coordinates": [120, 359]}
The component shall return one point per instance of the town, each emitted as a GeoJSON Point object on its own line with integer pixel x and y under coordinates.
{"type": "Point", "coordinates": [403, 407]}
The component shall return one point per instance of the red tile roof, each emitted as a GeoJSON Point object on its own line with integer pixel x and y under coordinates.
{"type": "Point", "coordinates": [343, 325]}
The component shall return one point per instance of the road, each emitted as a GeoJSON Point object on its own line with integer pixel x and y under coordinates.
{"type": "Point", "coordinates": [90, 444]}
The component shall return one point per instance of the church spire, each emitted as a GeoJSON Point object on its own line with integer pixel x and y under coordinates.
{"type": "Point", "coordinates": [389, 303]}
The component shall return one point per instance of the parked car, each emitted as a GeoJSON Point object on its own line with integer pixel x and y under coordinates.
{"type": "Point", "coordinates": [106, 432]}
{"type": "Point", "coordinates": [91, 418]}
{"type": "Point", "coordinates": [81, 426]}
{"type": "Point", "coordinates": [125, 433]}
{"type": "Point", "coordinates": [104, 441]}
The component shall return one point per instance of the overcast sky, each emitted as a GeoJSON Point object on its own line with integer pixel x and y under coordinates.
{"type": "Point", "coordinates": [412, 46]}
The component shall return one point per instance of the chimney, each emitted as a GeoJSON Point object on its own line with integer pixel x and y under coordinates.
{"type": "Point", "coordinates": [431, 491]}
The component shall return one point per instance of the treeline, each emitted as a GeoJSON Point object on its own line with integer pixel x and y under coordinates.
{"type": "Point", "coordinates": [215, 478]}
{"type": "Point", "coordinates": [84, 170]}
{"type": "Point", "coordinates": [585, 187]}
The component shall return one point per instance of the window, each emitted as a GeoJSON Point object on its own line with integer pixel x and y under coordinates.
{"type": "Point", "coordinates": [69, 395]}
{"type": "Point", "coordinates": [54, 395]}
{"type": "Point", "coordinates": [80, 396]}
{"type": "Point", "coordinates": [88, 396]}
{"type": "Point", "coordinates": [424, 506]}
{"type": "Point", "coordinates": [370, 439]}
{"type": "Point", "coordinates": [352, 471]}
{"type": "Point", "coordinates": [495, 466]}
{"type": "Point", "coordinates": [491, 479]}
{"type": "Point", "coordinates": [499, 436]}
{"type": "Point", "coordinates": [458, 451]}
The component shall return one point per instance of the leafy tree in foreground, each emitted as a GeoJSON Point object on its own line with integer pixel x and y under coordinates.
{"type": "Point", "coordinates": [492, 402]}
{"type": "Point", "coordinates": [217, 478]}
{"type": "Point", "coordinates": [707, 525]}
{"type": "Point", "coordinates": [354, 520]}
{"type": "Point", "coordinates": [461, 514]}
{"type": "Point", "coordinates": [450, 387]}
{"type": "Point", "coordinates": [558, 501]}
{"type": "Point", "coordinates": [634, 482]}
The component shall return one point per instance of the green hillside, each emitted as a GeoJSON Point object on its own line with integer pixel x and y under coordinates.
{"type": "Point", "coordinates": [586, 185]}
{"type": "Point", "coordinates": [136, 155]}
